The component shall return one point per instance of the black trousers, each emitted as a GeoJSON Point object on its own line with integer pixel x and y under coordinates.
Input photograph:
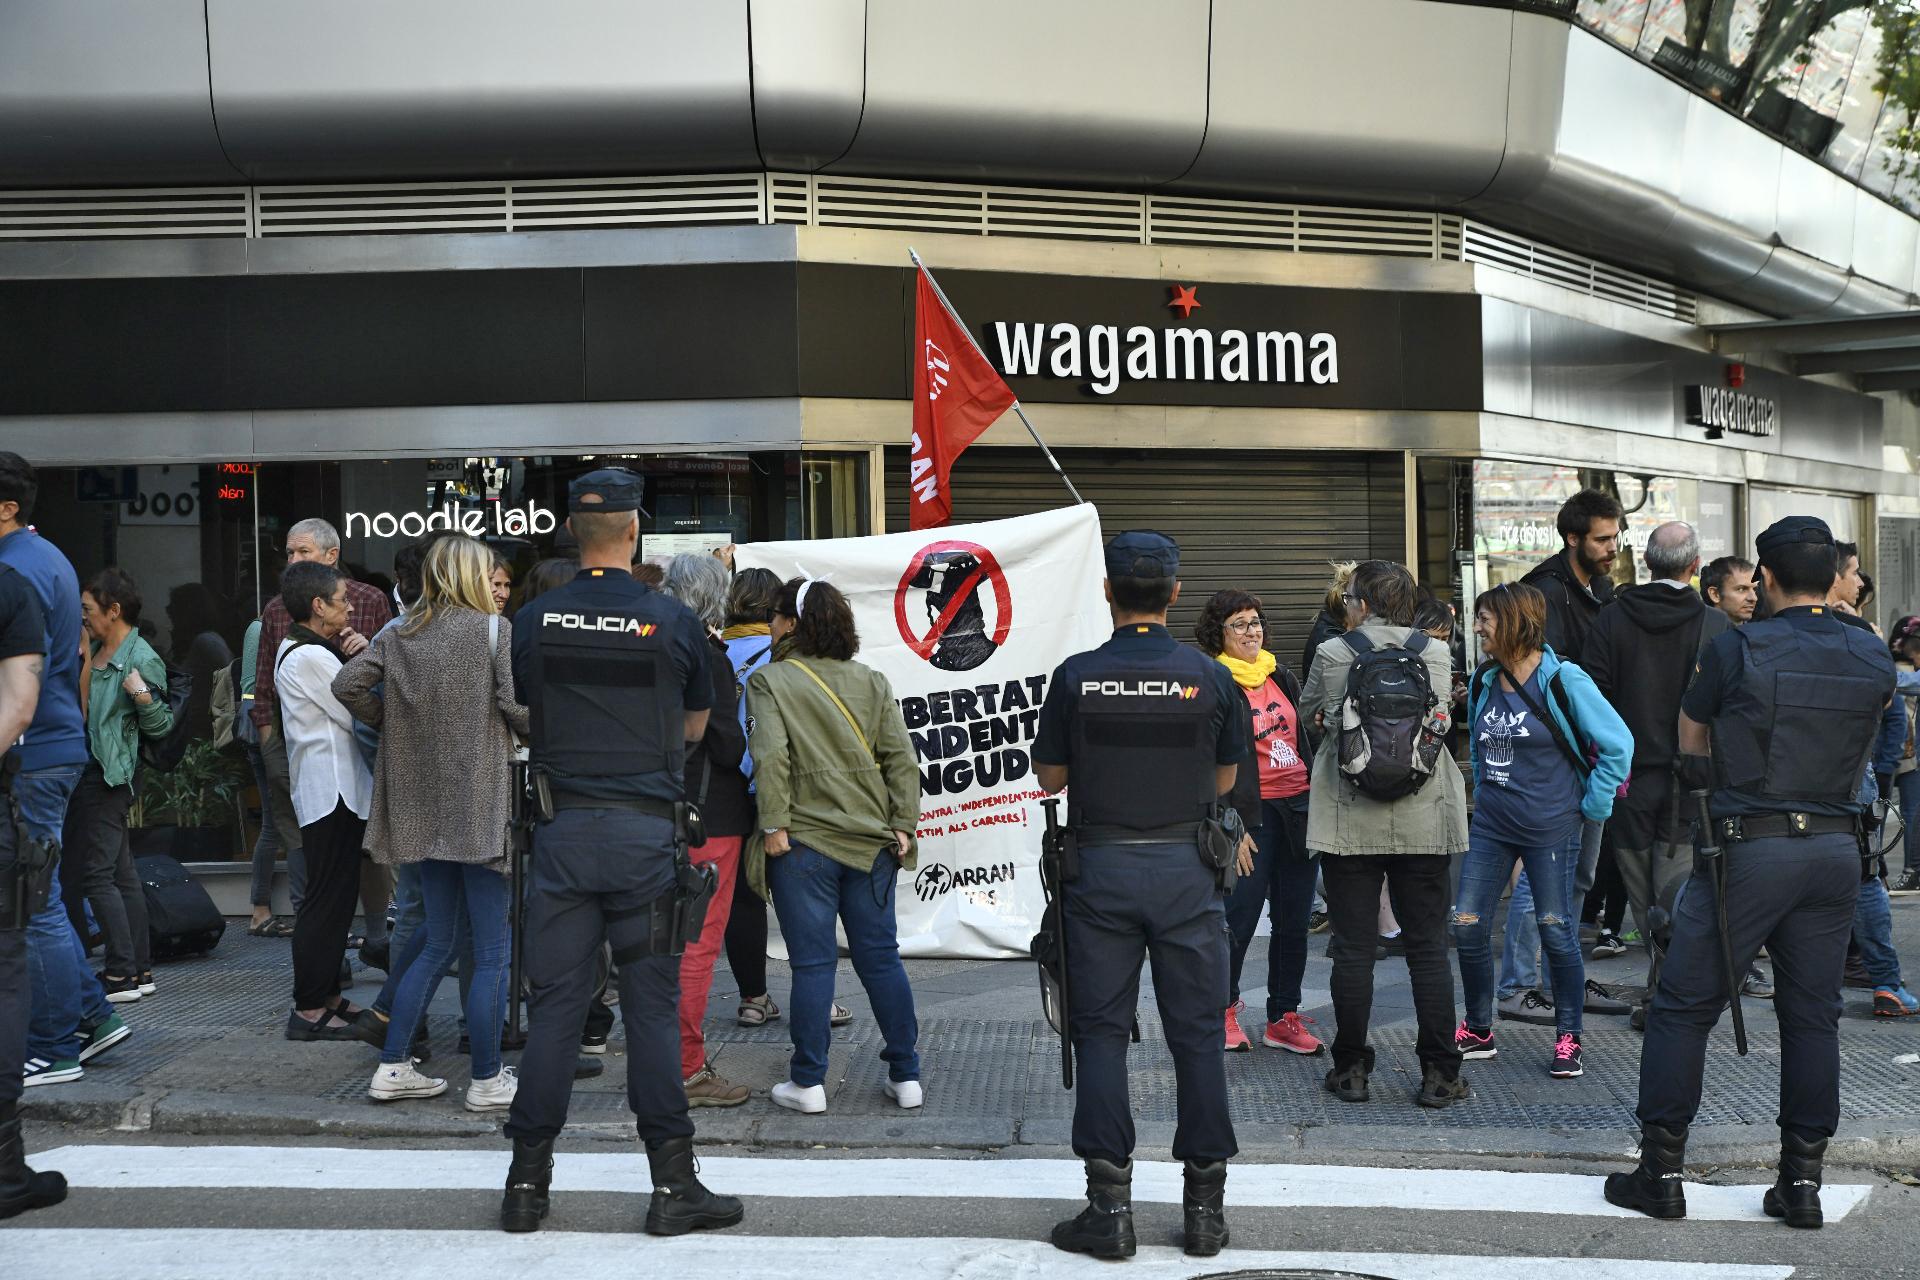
{"type": "Point", "coordinates": [747, 940]}
{"type": "Point", "coordinates": [325, 914]}
{"type": "Point", "coordinates": [1156, 902]}
{"type": "Point", "coordinates": [596, 874]}
{"type": "Point", "coordinates": [1420, 888]}
{"type": "Point", "coordinates": [1606, 902]}
{"type": "Point", "coordinates": [14, 995]}
{"type": "Point", "coordinates": [98, 868]}
{"type": "Point", "coordinates": [1796, 896]}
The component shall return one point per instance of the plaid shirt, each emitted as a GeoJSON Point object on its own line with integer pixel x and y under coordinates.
{"type": "Point", "coordinates": [368, 610]}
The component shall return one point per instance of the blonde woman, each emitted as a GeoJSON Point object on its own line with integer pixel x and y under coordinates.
{"type": "Point", "coordinates": [445, 675]}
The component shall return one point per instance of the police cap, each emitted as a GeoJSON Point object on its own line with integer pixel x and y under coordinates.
{"type": "Point", "coordinates": [1794, 529]}
{"type": "Point", "coordinates": [608, 489]}
{"type": "Point", "coordinates": [1142, 553]}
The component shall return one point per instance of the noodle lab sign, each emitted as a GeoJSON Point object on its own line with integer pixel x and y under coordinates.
{"type": "Point", "coordinates": [496, 519]}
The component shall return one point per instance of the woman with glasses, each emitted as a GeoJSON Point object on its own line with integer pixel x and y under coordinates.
{"type": "Point", "coordinates": [1278, 872]}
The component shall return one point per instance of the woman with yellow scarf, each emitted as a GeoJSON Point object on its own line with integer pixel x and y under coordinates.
{"type": "Point", "coordinates": [1272, 799]}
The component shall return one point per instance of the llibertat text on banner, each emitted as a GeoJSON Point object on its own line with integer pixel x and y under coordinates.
{"type": "Point", "coordinates": [968, 627]}
{"type": "Point", "coordinates": [956, 396]}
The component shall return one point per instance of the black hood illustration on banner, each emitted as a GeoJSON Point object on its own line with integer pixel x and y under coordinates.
{"type": "Point", "coordinates": [952, 581]}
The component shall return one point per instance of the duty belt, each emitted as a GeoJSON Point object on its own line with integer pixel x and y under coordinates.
{"type": "Point", "coordinates": [1179, 833]}
{"type": "Point", "coordinates": [1766, 826]}
{"type": "Point", "coordinates": [638, 804]}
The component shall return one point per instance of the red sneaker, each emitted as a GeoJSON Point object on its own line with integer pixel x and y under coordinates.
{"type": "Point", "coordinates": [1291, 1034]}
{"type": "Point", "coordinates": [1236, 1038]}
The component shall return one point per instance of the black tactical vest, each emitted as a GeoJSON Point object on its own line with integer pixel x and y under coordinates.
{"type": "Point", "coordinates": [1803, 720]}
{"type": "Point", "coordinates": [607, 704]}
{"type": "Point", "coordinates": [1143, 745]}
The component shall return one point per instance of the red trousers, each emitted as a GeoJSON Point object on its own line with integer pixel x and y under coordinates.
{"type": "Point", "coordinates": [722, 853]}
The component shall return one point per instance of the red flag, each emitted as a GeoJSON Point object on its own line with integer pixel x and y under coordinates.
{"type": "Point", "coordinates": [956, 396]}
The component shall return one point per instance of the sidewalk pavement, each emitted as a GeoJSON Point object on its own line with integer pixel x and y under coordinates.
{"type": "Point", "coordinates": [207, 1057]}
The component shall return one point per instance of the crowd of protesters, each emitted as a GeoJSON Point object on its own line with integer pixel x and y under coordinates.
{"type": "Point", "coordinates": [346, 694]}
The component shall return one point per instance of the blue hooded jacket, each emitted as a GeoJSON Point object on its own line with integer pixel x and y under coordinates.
{"type": "Point", "coordinates": [1595, 729]}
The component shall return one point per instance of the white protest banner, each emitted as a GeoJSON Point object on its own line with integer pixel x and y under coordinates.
{"type": "Point", "coordinates": [968, 623]}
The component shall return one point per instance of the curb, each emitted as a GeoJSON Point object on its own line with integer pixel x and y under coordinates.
{"type": "Point", "coordinates": [192, 1113]}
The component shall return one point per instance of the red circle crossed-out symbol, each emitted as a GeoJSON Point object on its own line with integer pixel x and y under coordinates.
{"type": "Point", "coordinates": [1002, 596]}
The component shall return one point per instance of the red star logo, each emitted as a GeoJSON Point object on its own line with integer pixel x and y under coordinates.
{"type": "Point", "coordinates": [1183, 298]}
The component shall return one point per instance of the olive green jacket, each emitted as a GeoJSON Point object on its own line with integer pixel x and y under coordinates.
{"type": "Point", "coordinates": [812, 774]}
{"type": "Point", "coordinates": [115, 722]}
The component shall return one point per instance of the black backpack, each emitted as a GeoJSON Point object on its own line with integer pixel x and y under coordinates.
{"type": "Point", "coordinates": [1391, 725]}
{"type": "Point", "coordinates": [163, 754]}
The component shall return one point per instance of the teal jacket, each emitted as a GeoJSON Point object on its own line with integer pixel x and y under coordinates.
{"type": "Point", "coordinates": [1594, 728]}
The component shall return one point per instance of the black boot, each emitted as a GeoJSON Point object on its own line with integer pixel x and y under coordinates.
{"type": "Point", "coordinates": [1655, 1188]}
{"type": "Point", "coordinates": [1795, 1195]}
{"type": "Point", "coordinates": [528, 1178]}
{"type": "Point", "coordinates": [21, 1188]}
{"type": "Point", "coordinates": [1205, 1203]}
{"type": "Point", "coordinates": [680, 1204]}
{"type": "Point", "coordinates": [1104, 1229]}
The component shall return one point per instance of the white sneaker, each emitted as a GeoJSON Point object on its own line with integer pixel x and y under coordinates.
{"type": "Point", "coordinates": [495, 1094]}
{"type": "Point", "coordinates": [810, 1100]}
{"type": "Point", "coordinates": [396, 1080]}
{"type": "Point", "coordinates": [905, 1092]}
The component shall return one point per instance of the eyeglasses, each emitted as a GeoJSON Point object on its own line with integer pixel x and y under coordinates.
{"type": "Point", "coordinates": [1350, 598]}
{"type": "Point", "coordinates": [1251, 624]}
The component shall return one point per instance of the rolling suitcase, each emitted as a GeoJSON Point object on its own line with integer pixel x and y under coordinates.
{"type": "Point", "coordinates": [181, 918]}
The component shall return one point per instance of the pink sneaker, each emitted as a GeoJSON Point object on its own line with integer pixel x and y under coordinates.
{"type": "Point", "coordinates": [1291, 1034]}
{"type": "Point", "coordinates": [1236, 1038]}
{"type": "Point", "coordinates": [1474, 1044]}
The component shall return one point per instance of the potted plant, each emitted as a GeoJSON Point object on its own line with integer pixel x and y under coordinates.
{"type": "Point", "coordinates": [190, 812]}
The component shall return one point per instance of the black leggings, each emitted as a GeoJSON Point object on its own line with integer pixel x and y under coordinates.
{"type": "Point", "coordinates": [747, 940]}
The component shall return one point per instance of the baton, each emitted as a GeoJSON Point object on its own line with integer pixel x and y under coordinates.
{"type": "Point", "coordinates": [515, 1036]}
{"type": "Point", "coordinates": [1714, 857]}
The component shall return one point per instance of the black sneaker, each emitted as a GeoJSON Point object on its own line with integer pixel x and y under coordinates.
{"type": "Point", "coordinates": [1394, 946]}
{"type": "Point", "coordinates": [1607, 945]}
{"type": "Point", "coordinates": [1566, 1057]}
{"type": "Point", "coordinates": [594, 1044]}
{"type": "Point", "coordinates": [120, 990]}
{"type": "Point", "coordinates": [1909, 882]}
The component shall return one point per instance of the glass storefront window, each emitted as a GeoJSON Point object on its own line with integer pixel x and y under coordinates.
{"type": "Point", "coordinates": [1515, 506]}
{"type": "Point", "coordinates": [206, 543]}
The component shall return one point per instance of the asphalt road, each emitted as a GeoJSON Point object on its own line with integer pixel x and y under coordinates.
{"type": "Point", "coordinates": [175, 1209]}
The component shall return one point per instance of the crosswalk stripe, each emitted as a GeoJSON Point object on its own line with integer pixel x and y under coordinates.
{"type": "Point", "coordinates": [193, 1254]}
{"type": "Point", "coordinates": [1250, 1185]}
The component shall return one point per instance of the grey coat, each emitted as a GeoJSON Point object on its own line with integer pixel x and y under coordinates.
{"type": "Point", "coordinates": [442, 782]}
{"type": "Point", "coordinates": [1342, 820]}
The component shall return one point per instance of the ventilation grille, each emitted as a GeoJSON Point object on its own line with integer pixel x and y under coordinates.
{"type": "Point", "coordinates": [810, 200]}
{"type": "Point", "coordinates": [1492, 247]}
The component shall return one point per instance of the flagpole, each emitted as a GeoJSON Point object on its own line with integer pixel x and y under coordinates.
{"type": "Point", "coordinates": [941, 294]}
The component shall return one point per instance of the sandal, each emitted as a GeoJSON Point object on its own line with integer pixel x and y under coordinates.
{"type": "Point", "coordinates": [757, 1012]}
{"type": "Point", "coordinates": [271, 927]}
{"type": "Point", "coordinates": [838, 1015]}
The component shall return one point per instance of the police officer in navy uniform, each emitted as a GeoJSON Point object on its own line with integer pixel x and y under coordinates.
{"type": "Point", "coordinates": [615, 675]}
{"type": "Point", "coordinates": [1143, 728]}
{"type": "Point", "coordinates": [1779, 722]}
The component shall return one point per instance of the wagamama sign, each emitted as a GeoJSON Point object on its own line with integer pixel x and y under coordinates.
{"type": "Point", "coordinates": [1102, 356]}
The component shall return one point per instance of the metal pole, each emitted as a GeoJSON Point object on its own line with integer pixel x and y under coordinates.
{"type": "Point", "coordinates": [1021, 413]}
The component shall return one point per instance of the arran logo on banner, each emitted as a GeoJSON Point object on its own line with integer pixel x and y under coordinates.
{"type": "Point", "coordinates": [599, 622]}
{"type": "Point", "coordinates": [1103, 357]}
{"type": "Point", "coordinates": [954, 577]}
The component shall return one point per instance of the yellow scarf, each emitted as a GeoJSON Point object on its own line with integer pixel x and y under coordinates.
{"type": "Point", "coordinates": [1250, 675]}
{"type": "Point", "coordinates": [744, 629]}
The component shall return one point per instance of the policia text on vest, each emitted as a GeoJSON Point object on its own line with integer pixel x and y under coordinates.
{"type": "Point", "coordinates": [1779, 724]}
{"type": "Point", "coordinates": [1143, 729]}
{"type": "Point", "coordinates": [615, 677]}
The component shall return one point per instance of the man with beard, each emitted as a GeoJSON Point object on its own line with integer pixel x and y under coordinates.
{"type": "Point", "coordinates": [1727, 584]}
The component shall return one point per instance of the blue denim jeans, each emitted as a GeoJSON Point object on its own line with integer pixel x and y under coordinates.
{"type": "Point", "coordinates": [1873, 933]}
{"type": "Point", "coordinates": [408, 935]}
{"type": "Point", "coordinates": [65, 997]}
{"type": "Point", "coordinates": [1282, 881]}
{"type": "Point", "coordinates": [810, 891]}
{"type": "Point", "coordinates": [267, 845]}
{"type": "Point", "coordinates": [1520, 950]}
{"type": "Point", "coordinates": [1483, 874]}
{"type": "Point", "coordinates": [457, 894]}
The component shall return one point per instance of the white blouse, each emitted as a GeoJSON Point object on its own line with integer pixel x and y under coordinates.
{"type": "Point", "coordinates": [325, 764]}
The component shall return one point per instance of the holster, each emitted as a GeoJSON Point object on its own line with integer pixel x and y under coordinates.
{"type": "Point", "coordinates": [677, 917]}
{"type": "Point", "coordinates": [1221, 834]}
{"type": "Point", "coordinates": [27, 883]}
{"type": "Point", "coordinates": [542, 781]}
